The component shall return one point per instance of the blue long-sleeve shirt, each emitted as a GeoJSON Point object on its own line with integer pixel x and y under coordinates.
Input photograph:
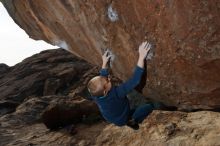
{"type": "Point", "coordinates": [115, 106]}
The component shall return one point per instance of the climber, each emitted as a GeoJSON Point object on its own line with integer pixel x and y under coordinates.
{"type": "Point", "coordinates": [112, 100]}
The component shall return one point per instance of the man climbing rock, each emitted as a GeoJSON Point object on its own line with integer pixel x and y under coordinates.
{"type": "Point", "coordinates": [112, 100]}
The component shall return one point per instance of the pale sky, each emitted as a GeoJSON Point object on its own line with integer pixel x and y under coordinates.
{"type": "Point", "coordinates": [15, 44]}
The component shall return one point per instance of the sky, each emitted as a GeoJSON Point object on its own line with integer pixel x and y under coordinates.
{"type": "Point", "coordinates": [15, 44]}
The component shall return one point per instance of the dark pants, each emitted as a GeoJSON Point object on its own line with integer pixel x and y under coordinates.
{"type": "Point", "coordinates": [141, 112]}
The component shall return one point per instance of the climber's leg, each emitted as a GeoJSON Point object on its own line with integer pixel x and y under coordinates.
{"type": "Point", "coordinates": [142, 112]}
{"type": "Point", "coordinates": [131, 122]}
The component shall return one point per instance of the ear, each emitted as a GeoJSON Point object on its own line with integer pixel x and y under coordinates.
{"type": "Point", "coordinates": [105, 92]}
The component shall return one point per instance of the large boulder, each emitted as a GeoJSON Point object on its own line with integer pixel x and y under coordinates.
{"type": "Point", "coordinates": [63, 112]}
{"type": "Point", "coordinates": [35, 115]}
{"type": "Point", "coordinates": [51, 72]}
{"type": "Point", "coordinates": [184, 70]}
{"type": "Point", "coordinates": [54, 111]}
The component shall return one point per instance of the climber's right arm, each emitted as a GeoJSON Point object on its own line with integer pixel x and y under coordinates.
{"type": "Point", "coordinates": [123, 89]}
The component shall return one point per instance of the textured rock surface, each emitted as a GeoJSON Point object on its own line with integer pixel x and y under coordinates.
{"type": "Point", "coordinates": [185, 68]}
{"type": "Point", "coordinates": [21, 123]}
{"type": "Point", "coordinates": [53, 72]}
{"type": "Point", "coordinates": [3, 68]}
{"type": "Point", "coordinates": [25, 124]}
{"type": "Point", "coordinates": [57, 74]}
{"type": "Point", "coordinates": [64, 112]}
{"type": "Point", "coordinates": [167, 129]}
{"type": "Point", "coordinates": [159, 129]}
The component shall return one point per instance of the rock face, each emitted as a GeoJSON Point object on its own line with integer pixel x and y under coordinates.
{"type": "Point", "coordinates": [160, 128]}
{"type": "Point", "coordinates": [184, 70]}
{"type": "Point", "coordinates": [64, 112]}
{"type": "Point", "coordinates": [19, 127]}
{"type": "Point", "coordinates": [167, 129]}
{"type": "Point", "coordinates": [53, 72]}
{"type": "Point", "coordinates": [44, 90]}
{"type": "Point", "coordinates": [3, 68]}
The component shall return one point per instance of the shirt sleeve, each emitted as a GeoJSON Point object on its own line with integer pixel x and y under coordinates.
{"type": "Point", "coordinates": [104, 72]}
{"type": "Point", "coordinates": [124, 88]}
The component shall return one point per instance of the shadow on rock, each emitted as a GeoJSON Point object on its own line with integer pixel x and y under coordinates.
{"type": "Point", "coordinates": [65, 113]}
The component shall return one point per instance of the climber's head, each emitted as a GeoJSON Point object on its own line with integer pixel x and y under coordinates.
{"type": "Point", "coordinates": [99, 86]}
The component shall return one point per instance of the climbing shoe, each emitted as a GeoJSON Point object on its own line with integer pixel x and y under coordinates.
{"type": "Point", "coordinates": [133, 124]}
